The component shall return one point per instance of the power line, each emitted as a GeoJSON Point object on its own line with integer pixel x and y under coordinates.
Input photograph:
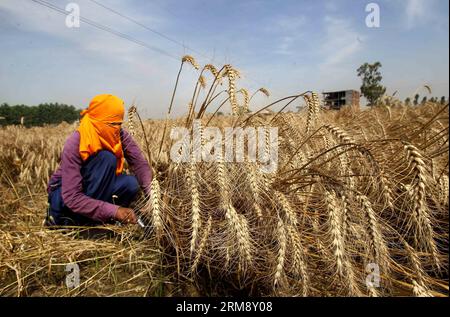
{"type": "Point", "coordinates": [159, 33]}
{"type": "Point", "coordinates": [123, 35]}
{"type": "Point", "coordinates": [148, 28]}
{"type": "Point", "coordinates": [107, 29]}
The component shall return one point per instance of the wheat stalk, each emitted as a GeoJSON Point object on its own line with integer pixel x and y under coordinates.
{"type": "Point", "coordinates": [386, 190]}
{"type": "Point", "coordinates": [299, 266]}
{"type": "Point", "coordinates": [202, 245]}
{"type": "Point", "coordinates": [254, 189]}
{"type": "Point", "coordinates": [291, 217]}
{"type": "Point", "coordinates": [131, 118]}
{"type": "Point", "coordinates": [340, 134]}
{"type": "Point", "coordinates": [316, 103]}
{"type": "Point", "coordinates": [264, 91]}
{"type": "Point", "coordinates": [231, 74]}
{"type": "Point", "coordinates": [336, 232]}
{"type": "Point", "coordinates": [190, 60]}
{"type": "Point", "coordinates": [212, 69]}
{"type": "Point", "coordinates": [311, 113]}
{"type": "Point", "coordinates": [282, 246]}
{"type": "Point", "coordinates": [424, 232]}
{"type": "Point", "coordinates": [196, 221]}
{"type": "Point", "coordinates": [237, 224]}
{"type": "Point", "coordinates": [376, 242]}
{"type": "Point", "coordinates": [245, 93]}
{"type": "Point", "coordinates": [202, 81]}
{"type": "Point", "coordinates": [155, 206]}
{"type": "Point", "coordinates": [418, 281]}
{"type": "Point", "coordinates": [419, 290]}
{"type": "Point", "coordinates": [443, 190]}
{"type": "Point", "coordinates": [313, 104]}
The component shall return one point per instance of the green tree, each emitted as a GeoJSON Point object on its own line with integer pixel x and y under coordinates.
{"type": "Point", "coordinates": [443, 100]}
{"type": "Point", "coordinates": [39, 115]}
{"type": "Point", "coordinates": [408, 101]}
{"type": "Point", "coordinates": [371, 87]}
{"type": "Point", "coordinates": [5, 111]}
{"type": "Point", "coordinates": [424, 100]}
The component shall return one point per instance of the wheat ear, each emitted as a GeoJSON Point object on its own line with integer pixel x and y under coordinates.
{"type": "Point", "coordinates": [196, 221]}
{"type": "Point", "coordinates": [231, 74]}
{"type": "Point", "coordinates": [299, 267]}
{"type": "Point", "coordinates": [336, 232]}
{"type": "Point", "coordinates": [421, 216]}
{"type": "Point", "coordinates": [155, 200]}
{"type": "Point", "coordinates": [282, 245]}
{"type": "Point", "coordinates": [202, 245]}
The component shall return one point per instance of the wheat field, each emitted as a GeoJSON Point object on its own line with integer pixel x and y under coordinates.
{"type": "Point", "coordinates": [356, 192]}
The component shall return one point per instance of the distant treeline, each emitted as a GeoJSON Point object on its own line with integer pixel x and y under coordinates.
{"type": "Point", "coordinates": [46, 113]}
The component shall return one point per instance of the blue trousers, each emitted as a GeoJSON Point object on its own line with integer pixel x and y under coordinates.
{"type": "Point", "coordinates": [99, 182]}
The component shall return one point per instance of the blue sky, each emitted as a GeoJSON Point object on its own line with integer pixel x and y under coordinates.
{"type": "Point", "coordinates": [287, 46]}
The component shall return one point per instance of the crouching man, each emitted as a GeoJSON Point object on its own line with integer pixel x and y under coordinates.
{"type": "Point", "coordinates": [89, 187]}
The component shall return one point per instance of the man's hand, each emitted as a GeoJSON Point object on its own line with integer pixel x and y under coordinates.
{"type": "Point", "coordinates": [126, 215]}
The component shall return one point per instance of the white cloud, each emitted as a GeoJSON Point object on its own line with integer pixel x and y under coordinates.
{"type": "Point", "coordinates": [285, 46]}
{"type": "Point", "coordinates": [35, 18]}
{"type": "Point", "coordinates": [289, 23]}
{"type": "Point", "coordinates": [331, 6]}
{"type": "Point", "coordinates": [286, 32]}
{"type": "Point", "coordinates": [418, 12]}
{"type": "Point", "coordinates": [120, 65]}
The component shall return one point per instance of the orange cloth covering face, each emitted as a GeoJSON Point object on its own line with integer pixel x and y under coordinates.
{"type": "Point", "coordinates": [100, 128]}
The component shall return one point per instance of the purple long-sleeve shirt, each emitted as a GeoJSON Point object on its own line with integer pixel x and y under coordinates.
{"type": "Point", "coordinates": [69, 176]}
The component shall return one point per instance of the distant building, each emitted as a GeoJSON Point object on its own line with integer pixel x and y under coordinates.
{"type": "Point", "coordinates": [338, 99]}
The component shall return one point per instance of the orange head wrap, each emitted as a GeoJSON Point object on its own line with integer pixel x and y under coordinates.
{"type": "Point", "coordinates": [100, 128]}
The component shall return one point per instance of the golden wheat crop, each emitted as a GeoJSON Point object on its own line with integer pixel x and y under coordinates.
{"type": "Point", "coordinates": [353, 188]}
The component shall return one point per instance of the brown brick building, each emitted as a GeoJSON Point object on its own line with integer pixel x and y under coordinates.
{"type": "Point", "coordinates": [338, 99]}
